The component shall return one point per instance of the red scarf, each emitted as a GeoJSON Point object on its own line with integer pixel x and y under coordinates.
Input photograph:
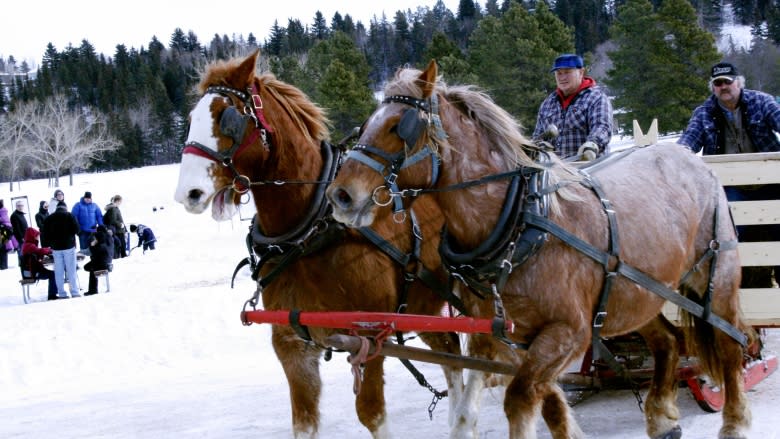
{"type": "Point", "coordinates": [587, 82]}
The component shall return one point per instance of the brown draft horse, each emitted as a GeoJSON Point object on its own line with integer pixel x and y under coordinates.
{"type": "Point", "coordinates": [254, 131]}
{"type": "Point", "coordinates": [670, 210]}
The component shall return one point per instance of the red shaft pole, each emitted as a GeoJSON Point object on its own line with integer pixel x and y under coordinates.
{"type": "Point", "coordinates": [376, 321]}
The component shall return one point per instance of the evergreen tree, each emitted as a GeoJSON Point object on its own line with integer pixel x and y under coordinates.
{"type": "Point", "coordinates": [588, 18]}
{"type": "Point", "coordinates": [297, 38]}
{"type": "Point", "coordinates": [319, 29]}
{"type": "Point", "coordinates": [275, 43]}
{"type": "Point", "coordinates": [339, 72]}
{"type": "Point", "coordinates": [178, 40]}
{"type": "Point", "coordinates": [512, 55]}
{"type": "Point", "coordinates": [662, 63]}
{"type": "Point", "coordinates": [402, 39]}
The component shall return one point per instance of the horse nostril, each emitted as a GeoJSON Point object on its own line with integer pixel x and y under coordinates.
{"type": "Point", "coordinates": [342, 197]}
{"type": "Point", "coordinates": [195, 195]}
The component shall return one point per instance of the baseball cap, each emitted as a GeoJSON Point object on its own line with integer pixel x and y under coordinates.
{"type": "Point", "coordinates": [723, 70]}
{"type": "Point", "coordinates": [568, 61]}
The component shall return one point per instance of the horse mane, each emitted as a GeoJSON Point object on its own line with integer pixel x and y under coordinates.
{"type": "Point", "coordinates": [307, 117]}
{"type": "Point", "coordinates": [504, 132]}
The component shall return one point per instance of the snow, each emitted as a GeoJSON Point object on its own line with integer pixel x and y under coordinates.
{"type": "Point", "coordinates": [165, 355]}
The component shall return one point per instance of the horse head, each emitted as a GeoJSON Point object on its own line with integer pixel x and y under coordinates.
{"type": "Point", "coordinates": [226, 124]}
{"type": "Point", "coordinates": [397, 148]}
{"type": "Point", "coordinates": [422, 137]}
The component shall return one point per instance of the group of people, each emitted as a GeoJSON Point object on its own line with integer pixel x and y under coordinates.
{"type": "Point", "coordinates": [101, 236]}
{"type": "Point", "coordinates": [577, 120]}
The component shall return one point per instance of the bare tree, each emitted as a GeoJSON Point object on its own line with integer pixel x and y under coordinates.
{"type": "Point", "coordinates": [64, 139]}
{"type": "Point", "coordinates": [14, 146]}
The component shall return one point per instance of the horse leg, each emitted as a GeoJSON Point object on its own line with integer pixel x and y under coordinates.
{"type": "Point", "coordinates": [535, 384]}
{"type": "Point", "coordinates": [736, 413]}
{"type": "Point", "coordinates": [558, 415]}
{"type": "Point", "coordinates": [449, 343]}
{"type": "Point", "coordinates": [719, 355]}
{"type": "Point", "coordinates": [661, 412]}
{"type": "Point", "coordinates": [370, 402]}
{"type": "Point", "coordinates": [463, 419]}
{"type": "Point", "coordinates": [301, 365]}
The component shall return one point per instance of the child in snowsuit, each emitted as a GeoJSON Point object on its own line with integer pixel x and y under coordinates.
{"type": "Point", "coordinates": [146, 238]}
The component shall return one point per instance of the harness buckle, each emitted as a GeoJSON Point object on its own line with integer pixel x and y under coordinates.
{"type": "Point", "coordinates": [391, 178]}
{"type": "Point", "coordinates": [257, 101]}
{"type": "Point", "coordinates": [598, 321]}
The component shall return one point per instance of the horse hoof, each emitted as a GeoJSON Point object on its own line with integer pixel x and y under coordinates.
{"type": "Point", "coordinates": [675, 433]}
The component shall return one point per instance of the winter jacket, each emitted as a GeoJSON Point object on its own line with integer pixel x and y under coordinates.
{"type": "Point", "coordinates": [19, 224]}
{"type": "Point", "coordinates": [54, 201]}
{"type": "Point", "coordinates": [760, 114]}
{"type": "Point", "coordinates": [41, 216]}
{"type": "Point", "coordinates": [88, 215]}
{"type": "Point", "coordinates": [101, 249]}
{"type": "Point", "coordinates": [60, 230]}
{"type": "Point", "coordinates": [32, 254]}
{"type": "Point", "coordinates": [113, 217]}
{"type": "Point", "coordinates": [585, 117]}
{"type": "Point", "coordinates": [145, 235]}
{"type": "Point", "coordinates": [12, 243]}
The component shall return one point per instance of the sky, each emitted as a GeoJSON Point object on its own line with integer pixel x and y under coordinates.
{"type": "Point", "coordinates": [29, 26]}
{"type": "Point", "coordinates": [164, 355]}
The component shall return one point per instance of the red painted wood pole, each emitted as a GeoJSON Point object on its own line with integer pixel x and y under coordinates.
{"type": "Point", "coordinates": [359, 320]}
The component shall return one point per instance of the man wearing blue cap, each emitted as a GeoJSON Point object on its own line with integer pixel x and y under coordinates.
{"type": "Point", "coordinates": [577, 112]}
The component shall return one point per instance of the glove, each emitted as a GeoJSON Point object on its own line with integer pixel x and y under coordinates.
{"type": "Point", "coordinates": [588, 151]}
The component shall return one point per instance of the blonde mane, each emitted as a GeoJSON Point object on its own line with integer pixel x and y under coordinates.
{"type": "Point", "coordinates": [306, 117]}
{"type": "Point", "coordinates": [502, 129]}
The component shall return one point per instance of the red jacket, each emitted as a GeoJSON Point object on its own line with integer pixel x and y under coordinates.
{"type": "Point", "coordinates": [30, 247]}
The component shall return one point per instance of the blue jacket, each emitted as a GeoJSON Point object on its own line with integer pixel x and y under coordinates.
{"type": "Point", "coordinates": [88, 215]}
{"type": "Point", "coordinates": [761, 114]}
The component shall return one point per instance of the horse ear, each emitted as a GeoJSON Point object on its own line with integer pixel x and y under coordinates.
{"type": "Point", "coordinates": [427, 80]}
{"type": "Point", "coordinates": [246, 70]}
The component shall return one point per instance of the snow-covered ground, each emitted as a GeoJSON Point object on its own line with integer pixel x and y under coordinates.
{"type": "Point", "coordinates": [164, 355]}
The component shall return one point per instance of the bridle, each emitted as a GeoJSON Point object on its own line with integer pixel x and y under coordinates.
{"type": "Point", "coordinates": [233, 124]}
{"type": "Point", "coordinates": [411, 126]}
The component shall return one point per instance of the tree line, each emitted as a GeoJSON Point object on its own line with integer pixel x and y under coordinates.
{"type": "Point", "coordinates": [81, 110]}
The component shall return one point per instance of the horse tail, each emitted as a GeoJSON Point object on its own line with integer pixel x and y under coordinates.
{"type": "Point", "coordinates": [703, 342]}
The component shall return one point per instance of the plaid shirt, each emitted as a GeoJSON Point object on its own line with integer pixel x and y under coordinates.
{"type": "Point", "coordinates": [587, 118]}
{"type": "Point", "coordinates": [760, 114]}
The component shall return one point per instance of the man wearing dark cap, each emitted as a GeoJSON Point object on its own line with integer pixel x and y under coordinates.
{"type": "Point", "coordinates": [737, 120]}
{"type": "Point", "coordinates": [577, 117]}
{"type": "Point", "coordinates": [89, 216]}
{"type": "Point", "coordinates": [734, 119]}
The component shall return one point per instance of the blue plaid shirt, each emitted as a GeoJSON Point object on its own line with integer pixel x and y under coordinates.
{"type": "Point", "coordinates": [760, 114]}
{"type": "Point", "coordinates": [587, 118]}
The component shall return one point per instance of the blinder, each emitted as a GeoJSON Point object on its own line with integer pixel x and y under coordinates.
{"type": "Point", "coordinates": [233, 124]}
{"type": "Point", "coordinates": [411, 127]}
